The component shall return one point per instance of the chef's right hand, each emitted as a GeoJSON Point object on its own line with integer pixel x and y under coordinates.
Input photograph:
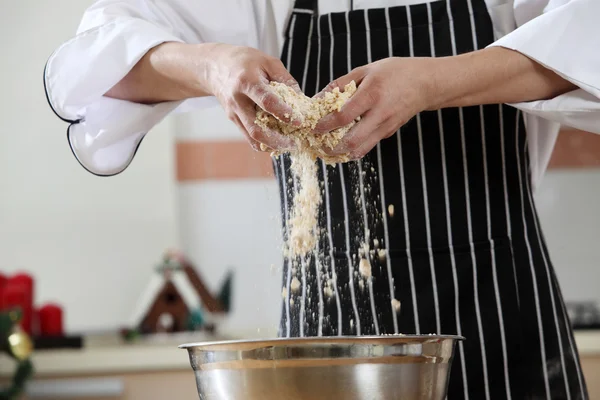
{"type": "Point", "coordinates": [239, 78]}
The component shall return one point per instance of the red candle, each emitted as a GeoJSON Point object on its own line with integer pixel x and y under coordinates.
{"type": "Point", "coordinates": [2, 283]}
{"type": "Point", "coordinates": [18, 292]}
{"type": "Point", "coordinates": [50, 318]}
{"type": "Point", "coordinates": [15, 296]}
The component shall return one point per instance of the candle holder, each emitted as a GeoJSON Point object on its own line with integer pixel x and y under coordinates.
{"type": "Point", "coordinates": [18, 345]}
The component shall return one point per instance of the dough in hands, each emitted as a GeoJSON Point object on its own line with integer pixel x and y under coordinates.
{"type": "Point", "coordinates": [309, 146]}
{"type": "Point", "coordinates": [309, 111]}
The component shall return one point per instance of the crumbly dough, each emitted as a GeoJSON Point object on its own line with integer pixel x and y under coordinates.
{"type": "Point", "coordinates": [364, 267]}
{"type": "Point", "coordinates": [309, 147]}
{"type": "Point", "coordinates": [295, 285]}
{"type": "Point", "coordinates": [381, 254]}
{"type": "Point", "coordinates": [396, 305]}
{"type": "Point", "coordinates": [308, 111]}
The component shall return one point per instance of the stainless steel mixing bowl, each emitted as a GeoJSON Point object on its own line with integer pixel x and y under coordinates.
{"type": "Point", "coordinates": [407, 367]}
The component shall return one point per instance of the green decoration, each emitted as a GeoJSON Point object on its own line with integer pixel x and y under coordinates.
{"type": "Point", "coordinates": [195, 320]}
{"type": "Point", "coordinates": [17, 344]}
{"type": "Point", "coordinates": [225, 292]}
{"type": "Point", "coordinates": [130, 335]}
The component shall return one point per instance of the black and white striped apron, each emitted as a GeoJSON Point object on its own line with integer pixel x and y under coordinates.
{"type": "Point", "coordinates": [464, 249]}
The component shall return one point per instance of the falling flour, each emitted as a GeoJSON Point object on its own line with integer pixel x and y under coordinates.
{"type": "Point", "coordinates": [308, 148]}
{"type": "Point", "coordinates": [391, 210]}
{"type": "Point", "coordinates": [295, 285]}
{"type": "Point", "coordinates": [381, 254]}
{"type": "Point", "coordinates": [396, 305]}
{"type": "Point", "coordinates": [306, 190]}
{"type": "Point", "coordinates": [364, 267]}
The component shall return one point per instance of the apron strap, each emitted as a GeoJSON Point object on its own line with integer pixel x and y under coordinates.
{"type": "Point", "coordinates": [307, 5]}
{"type": "Point", "coordinates": [313, 5]}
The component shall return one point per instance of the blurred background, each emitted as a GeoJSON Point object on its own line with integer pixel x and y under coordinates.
{"type": "Point", "coordinates": [103, 260]}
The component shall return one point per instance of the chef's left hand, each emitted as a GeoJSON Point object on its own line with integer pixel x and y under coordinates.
{"type": "Point", "coordinates": [390, 92]}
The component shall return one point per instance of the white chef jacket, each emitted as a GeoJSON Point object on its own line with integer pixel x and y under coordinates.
{"type": "Point", "coordinates": [115, 34]}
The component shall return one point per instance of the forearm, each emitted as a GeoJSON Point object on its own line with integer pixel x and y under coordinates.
{"type": "Point", "coordinates": [493, 75]}
{"type": "Point", "coordinates": [169, 72]}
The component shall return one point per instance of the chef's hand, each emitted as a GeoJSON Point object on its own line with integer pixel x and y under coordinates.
{"type": "Point", "coordinates": [394, 90]}
{"type": "Point", "coordinates": [239, 78]}
{"type": "Point", "coordinates": [390, 92]}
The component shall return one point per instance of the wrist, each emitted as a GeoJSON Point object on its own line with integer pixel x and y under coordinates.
{"type": "Point", "coordinates": [203, 63]}
{"type": "Point", "coordinates": [493, 75]}
{"type": "Point", "coordinates": [185, 66]}
{"type": "Point", "coordinates": [452, 81]}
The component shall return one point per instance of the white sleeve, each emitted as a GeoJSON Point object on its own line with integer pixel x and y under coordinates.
{"type": "Point", "coordinates": [113, 35]}
{"type": "Point", "coordinates": [563, 39]}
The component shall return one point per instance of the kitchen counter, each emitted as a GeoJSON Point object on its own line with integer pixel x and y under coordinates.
{"type": "Point", "coordinates": [110, 356]}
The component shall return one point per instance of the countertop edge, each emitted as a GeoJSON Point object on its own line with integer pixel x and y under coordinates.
{"type": "Point", "coordinates": [114, 360]}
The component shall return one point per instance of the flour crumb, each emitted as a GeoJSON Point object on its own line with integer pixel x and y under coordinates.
{"type": "Point", "coordinates": [284, 292]}
{"type": "Point", "coordinates": [328, 291]}
{"type": "Point", "coordinates": [376, 243]}
{"type": "Point", "coordinates": [361, 284]}
{"type": "Point", "coordinates": [364, 268]}
{"type": "Point", "coordinates": [295, 285]}
{"type": "Point", "coordinates": [381, 254]}
{"type": "Point", "coordinates": [352, 324]}
{"type": "Point", "coordinates": [291, 301]}
{"type": "Point", "coordinates": [396, 305]}
{"type": "Point", "coordinates": [391, 210]}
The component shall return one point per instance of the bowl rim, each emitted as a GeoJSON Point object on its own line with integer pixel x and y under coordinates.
{"type": "Point", "coordinates": [341, 340]}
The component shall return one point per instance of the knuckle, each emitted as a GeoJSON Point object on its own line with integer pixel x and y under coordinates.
{"type": "Point", "coordinates": [255, 146]}
{"type": "Point", "coordinates": [266, 100]}
{"type": "Point", "coordinates": [343, 118]}
{"type": "Point", "coordinates": [274, 62]}
{"type": "Point", "coordinates": [232, 116]}
{"type": "Point", "coordinates": [242, 80]}
{"type": "Point", "coordinates": [255, 133]}
{"type": "Point", "coordinates": [353, 144]}
{"type": "Point", "coordinates": [333, 84]}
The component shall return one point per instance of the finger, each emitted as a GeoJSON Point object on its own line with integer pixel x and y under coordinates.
{"type": "Point", "coordinates": [277, 72]}
{"type": "Point", "coordinates": [385, 131]}
{"type": "Point", "coordinates": [265, 98]}
{"type": "Point", "coordinates": [356, 75]}
{"type": "Point", "coordinates": [355, 107]}
{"type": "Point", "coordinates": [247, 115]}
{"type": "Point", "coordinates": [265, 148]}
{"type": "Point", "coordinates": [358, 135]}
{"type": "Point", "coordinates": [253, 143]}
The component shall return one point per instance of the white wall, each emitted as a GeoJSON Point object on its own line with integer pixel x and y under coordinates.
{"type": "Point", "coordinates": [90, 242]}
{"type": "Point", "coordinates": [568, 206]}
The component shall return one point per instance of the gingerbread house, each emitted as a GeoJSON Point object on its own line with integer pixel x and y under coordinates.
{"type": "Point", "coordinates": [177, 300]}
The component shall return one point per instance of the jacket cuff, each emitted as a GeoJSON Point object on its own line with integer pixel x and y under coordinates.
{"type": "Point", "coordinates": [562, 40]}
{"type": "Point", "coordinates": [83, 69]}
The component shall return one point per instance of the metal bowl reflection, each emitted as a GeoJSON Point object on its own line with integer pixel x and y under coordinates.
{"type": "Point", "coordinates": [351, 368]}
